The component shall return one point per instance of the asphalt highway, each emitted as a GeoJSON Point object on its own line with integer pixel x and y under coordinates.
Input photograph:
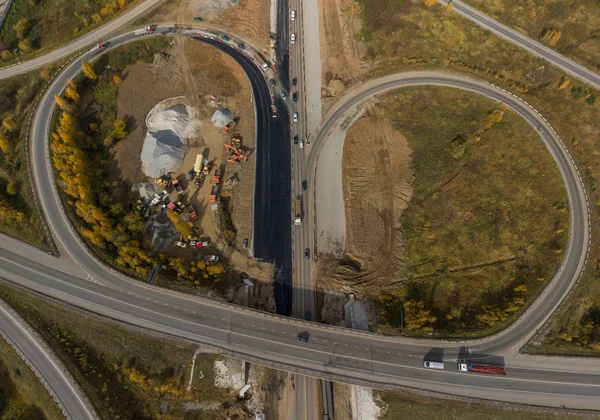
{"type": "Point", "coordinates": [567, 65]}
{"type": "Point", "coordinates": [62, 386]}
{"type": "Point", "coordinates": [332, 353]}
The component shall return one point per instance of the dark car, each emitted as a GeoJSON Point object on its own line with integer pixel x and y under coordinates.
{"type": "Point", "coordinates": [295, 81]}
{"type": "Point", "coordinates": [283, 95]}
{"type": "Point", "coordinates": [308, 316]}
{"type": "Point", "coordinates": [303, 337]}
{"type": "Point", "coordinates": [272, 82]}
{"type": "Point", "coordinates": [295, 139]}
{"type": "Point", "coordinates": [225, 38]}
{"type": "Point", "coordinates": [295, 96]}
{"type": "Point", "coordinates": [242, 46]}
{"type": "Point", "coordinates": [306, 254]}
{"type": "Point", "coordinates": [304, 185]}
{"type": "Point", "coordinates": [198, 19]}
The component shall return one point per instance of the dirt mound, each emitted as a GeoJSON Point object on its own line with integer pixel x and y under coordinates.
{"type": "Point", "coordinates": [160, 232]}
{"type": "Point", "coordinates": [377, 187]}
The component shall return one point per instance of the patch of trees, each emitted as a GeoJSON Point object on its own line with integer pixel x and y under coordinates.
{"type": "Point", "coordinates": [226, 226]}
{"type": "Point", "coordinates": [12, 406]}
{"type": "Point", "coordinates": [16, 98]}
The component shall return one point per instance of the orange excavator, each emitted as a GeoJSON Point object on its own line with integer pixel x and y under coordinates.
{"type": "Point", "coordinates": [236, 154]}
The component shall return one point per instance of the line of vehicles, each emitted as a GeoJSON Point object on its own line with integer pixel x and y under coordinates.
{"type": "Point", "coordinates": [101, 46]}
{"type": "Point", "coordinates": [463, 366]}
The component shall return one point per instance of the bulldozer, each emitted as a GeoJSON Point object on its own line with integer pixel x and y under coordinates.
{"type": "Point", "coordinates": [231, 181]}
{"type": "Point", "coordinates": [236, 154]}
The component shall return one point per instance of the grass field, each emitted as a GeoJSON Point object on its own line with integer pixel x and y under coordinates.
{"type": "Point", "coordinates": [18, 216]}
{"type": "Point", "coordinates": [489, 211]}
{"type": "Point", "coordinates": [404, 405]}
{"type": "Point", "coordinates": [401, 35]}
{"type": "Point", "coordinates": [125, 374]}
{"type": "Point", "coordinates": [23, 395]}
{"type": "Point", "coordinates": [33, 27]}
{"type": "Point", "coordinates": [574, 22]}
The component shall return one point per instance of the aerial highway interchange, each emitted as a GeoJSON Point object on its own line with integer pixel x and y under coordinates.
{"type": "Point", "coordinates": [333, 353]}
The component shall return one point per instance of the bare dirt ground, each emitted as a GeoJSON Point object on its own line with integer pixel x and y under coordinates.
{"type": "Point", "coordinates": [376, 181]}
{"type": "Point", "coordinates": [203, 72]}
{"type": "Point", "coordinates": [340, 51]}
{"type": "Point", "coordinates": [249, 18]}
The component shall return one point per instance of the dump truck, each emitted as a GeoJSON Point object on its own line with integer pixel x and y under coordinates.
{"type": "Point", "coordinates": [264, 66]}
{"type": "Point", "coordinates": [213, 194]}
{"type": "Point", "coordinates": [217, 177]}
{"type": "Point", "coordinates": [192, 211]}
{"type": "Point", "coordinates": [97, 48]}
{"type": "Point", "coordinates": [146, 30]}
{"type": "Point", "coordinates": [297, 212]}
{"type": "Point", "coordinates": [177, 186]}
{"type": "Point", "coordinates": [468, 367]}
{"type": "Point", "coordinates": [198, 163]}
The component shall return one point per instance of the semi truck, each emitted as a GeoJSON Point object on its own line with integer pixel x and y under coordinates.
{"type": "Point", "coordinates": [217, 177]}
{"type": "Point", "coordinates": [213, 194]}
{"type": "Point", "coordinates": [192, 211]}
{"type": "Point", "coordinates": [198, 164]}
{"type": "Point", "coordinates": [264, 66]}
{"type": "Point", "coordinates": [468, 367]}
{"type": "Point", "coordinates": [146, 30]}
{"type": "Point", "coordinates": [297, 212]}
{"type": "Point", "coordinates": [97, 48]}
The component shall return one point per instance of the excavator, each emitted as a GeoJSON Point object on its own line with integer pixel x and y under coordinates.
{"type": "Point", "coordinates": [236, 154]}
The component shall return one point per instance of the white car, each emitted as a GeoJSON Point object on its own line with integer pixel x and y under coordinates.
{"type": "Point", "coordinates": [302, 144]}
{"type": "Point", "coordinates": [293, 15]}
{"type": "Point", "coordinates": [293, 38]}
{"type": "Point", "coordinates": [295, 117]}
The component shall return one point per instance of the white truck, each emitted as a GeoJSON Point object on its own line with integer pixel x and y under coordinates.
{"type": "Point", "coordinates": [146, 30]}
{"type": "Point", "coordinates": [97, 48]}
{"type": "Point", "coordinates": [297, 213]}
{"type": "Point", "coordinates": [264, 66]}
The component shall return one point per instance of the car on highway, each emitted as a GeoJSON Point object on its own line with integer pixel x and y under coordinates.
{"type": "Point", "coordinates": [293, 38]}
{"type": "Point", "coordinates": [245, 244]}
{"type": "Point", "coordinates": [308, 316]}
{"type": "Point", "coordinates": [295, 117]}
{"type": "Point", "coordinates": [303, 337]}
{"type": "Point", "coordinates": [272, 82]}
{"type": "Point", "coordinates": [296, 139]}
{"type": "Point", "coordinates": [293, 15]}
{"type": "Point", "coordinates": [295, 81]}
{"type": "Point", "coordinates": [306, 254]}
{"type": "Point", "coordinates": [433, 365]}
{"type": "Point", "coordinates": [295, 97]}
{"type": "Point", "coordinates": [224, 38]}
{"type": "Point", "coordinates": [242, 46]}
{"type": "Point", "coordinates": [283, 95]}
{"type": "Point", "coordinates": [304, 185]}
{"type": "Point", "coordinates": [198, 19]}
{"type": "Point", "coordinates": [302, 144]}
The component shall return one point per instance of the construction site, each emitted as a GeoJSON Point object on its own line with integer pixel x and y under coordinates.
{"type": "Point", "coordinates": [191, 160]}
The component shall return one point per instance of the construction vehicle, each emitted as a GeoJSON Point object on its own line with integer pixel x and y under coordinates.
{"type": "Point", "coordinates": [199, 181]}
{"type": "Point", "coordinates": [231, 181]}
{"type": "Point", "coordinates": [97, 48]}
{"type": "Point", "coordinates": [217, 177]}
{"type": "Point", "coordinates": [180, 206]}
{"type": "Point", "coordinates": [236, 141]}
{"type": "Point", "coordinates": [205, 169]}
{"type": "Point", "coordinates": [236, 154]}
{"type": "Point", "coordinates": [213, 194]}
{"type": "Point", "coordinates": [181, 244]}
{"type": "Point", "coordinates": [468, 367]}
{"type": "Point", "coordinates": [297, 212]}
{"type": "Point", "coordinates": [198, 163]}
{"type": "Point", "coordinates": [192, 211]}
{"type": "Point", "coordinates": [177, 186]}
{"type": "Point", "coordinates": [146, 30]}
{"type": "Point", "coordinates": [229, 126]}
